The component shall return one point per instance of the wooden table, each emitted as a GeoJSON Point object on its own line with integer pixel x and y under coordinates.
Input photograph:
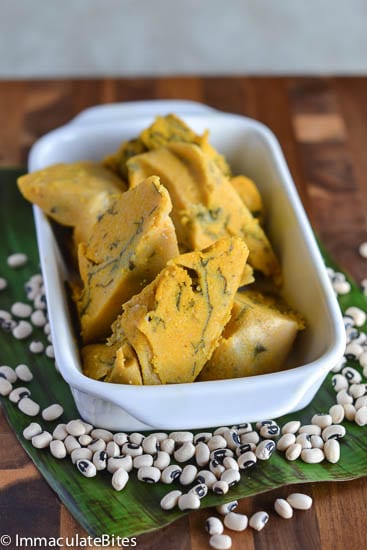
{"type": "Point", "coordinates": [321, 124]}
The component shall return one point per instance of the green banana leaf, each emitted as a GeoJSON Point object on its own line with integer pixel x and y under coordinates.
{"type": "Point", "coordinates": [97, 507]}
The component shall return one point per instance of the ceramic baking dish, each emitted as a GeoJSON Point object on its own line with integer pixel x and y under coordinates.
{"type": "Point", "coordinates": [252, 149]}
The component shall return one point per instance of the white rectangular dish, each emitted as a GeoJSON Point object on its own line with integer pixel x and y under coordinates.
{"type": "Point", "coordinates": [252, 149]}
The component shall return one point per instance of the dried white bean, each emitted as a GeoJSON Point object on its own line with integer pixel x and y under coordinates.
{"type": "Point", "coordinates": [170, 500]}
{"type": "Point", "coordinates": [120, 479]}
{"type": "Point", "coordinates": [317, 442]}
{"type": "Point", "coordinates": [8, 373]}
{"type": "Point", "coordinates": [136, 438]}
{"type": "Point", "coordinates": [181, 437]}
{"type": "Point", "coordinates": [120, 438]}
{"type": "Point", "coordinates": [78, 453]}
{"type": "Point", "coordinates": [185, 452]}
{"type": "Point", "coordinates": [188, 474]}
{"type": "Point", "coordinates": [332, 450]}
{"type": "Point", "coordinates": [312, 456]}
{"type": "Point", "coordinates": [230, 463]}
{"type": "Point", "coordinates": [60, 432]}
{"type": "Point", "coordinates": [361, 402]}
{"type": "Point", "coordinates": [18, 259]}
{"type": "Point", "coordinates": [112, 449]}
{"type": "Point", "coordinates": [31, 430]}
{"type": "Point", "coordinates": [57, 449]}
{"type": "Point", "coordinates": [357, 390]}
{"type": "Point", "coordinates": [285, 441]}
{"type": "Point", "coordinates": [217, 442]}
{"type": "Point", "coordinates": [49, 351]}
{"type": "Point", "coordinates": [167, 445]}
{"type": "Point", "coordinates": [343, 397]}
{"type": "Point", "coordinates": [299, 501]}
{"type": "Point", "coordinates": [19, 309]}
{"type": "Point", "coordinates": [293, 451]}
{"type": "Point", "coordinates": [235, 521]}
{"type": "Point", "coordinates": [52, 412]}
{"type": "Point", "coordinates": [214, 526]}
{"type": "Point", "coordinates": [36, 346]}
{"type": "Point", "coordinates": [321, 420]}
{"type": "Point", "coordinates": [22, 330]}
{"type": "Point", "coordinates": [150, 445]}
{"type": "Point", "coordinates": [349, 411]}
{"type": "Point", "coordinates": [358, 315]}
{"type": "Point", "coordinates": [250, 437]}
{"type": "Point", "coordinates": [283, 508]}
{"type": "Point", "coordinates": [220, 430]}
{"type": "Point", "coordinates": [38, 318]}
{"type": "Point", "coordinates": [99, 433]}
{"type": "Point", "coordinates": [190, 501]}
{"type": "Point", "coordinates": [116, 462]}
{"type": "Point", "coordinates": [85, 440]}
{"type": "Point", "coordinates": [86, 467]}
{"type": "Point", "coordinates": [5, 386]}
{"type": "Point", "coordinates": [258, 520]}
{"type": "Point", "coordinates": [362, 249]}
{"type": "Point", "coordinates": [361, 416]}
{"type": "Point", "coordinates": [3, 283]}
{"type": "Point", "coordinates": [23, 373]}
{"type": "Point", "coordinates": [142, 460]}
{"type": "Point", "coordinates": [28, 406]}
{"type": "Point", "coordinates": [71, 444]}
{"type": "Point", "coordinates": [220, 542]}
{"type": "Point", "coordinates": [337, 413]}
{"type": "Point", "coordinates": [42, 440]}
{"type": "Point", "coordinates": [342, 287]}
{"type": "Point", "coordinates": [231, 477]}
{"type": "Point", "coordinates": [75, 428]}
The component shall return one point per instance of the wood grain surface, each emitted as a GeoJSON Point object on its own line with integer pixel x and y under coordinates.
{"type": "Point", "coordinates": [321, 124]}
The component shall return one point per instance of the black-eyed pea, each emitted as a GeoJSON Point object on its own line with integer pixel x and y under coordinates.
{"type": "Point", "coordinates": [250, 437]}
{"type": "Point", "coordinates": [299, 501]}
{"type": "Point", "coordinates": [259, 520]}
{"type": "Point", "coordinates": [200, 490]}
{"type": "Point", "coordinates": [99, 459]}
{"type": "Point", "coordinates": [232, 438]}
{"type": "Point", "coordinates": [285, 441]}
{"type": "Point", "coordinates": [357, 390]}
{"type": "Point", "coordinates": [171, 473]}
{"type": "Point", "coordinates": [231, 477]}
{"type": "Point", "coordinates": [221, 454]}
{"type": "Point", "coordinates": [28, 406]}
{"type": "Point", "coordinates": [216, 467]}
{"type": "Point", "coordinates": [214, 526]}
{"type": "Point", "coordinates": [270, 431]}
{"type": "Point", "coordinates": [190, 501]}
{"type": "Point", "coordinates": [283, 508]}
{"type": "Point", "coordinates": [220, 487]}
{"type": "Point", "coordinates": [361, 402]}
{"type": "Point", "coordinates": [335, 431]}
{"type": "Point", "coordinates": [71, 443]}
{"type": "Point", "coordinates": [112, 449]}
{"type": "Point", "coordinates": [311, 429]}
{"type": "Point", "coordinates": [247, 460]}
{"type": "Point", "coordinates": [149, 474]}
{"type": "Point", "coordinates": [243, 428]}
{"type": "Point", "coordinates": [170, 500]}
{"type": "Point", "coordinates": [358, 315]}
{"type": "Point", "coordinates": [6, 388]}
{"type": "Point", "coordinates": [167, 445]}
{"type": "Point", "coordinates": [136, 438]}
{"type": "Point", "coordinates": [132, 449]}
{"type": "Point", "coordinates": [97, 445]}
{"type": "Point", "coordinates": [227, 507]}
{"type": "Point", "coordinates": [161, 460]}
{"type": "Point", "coordinates": [351, 374]}
{"type": "Point", "coordinates": [235, 521]}
{"type": "Point", "coordinates": [120, 479]}
{"type": "Point", "coordinates": [8, 373]}
{"type": "Point", "coordinates": [86, 468]}
{"type": "Point", "coordinates": [339, 382]}
{"type": "Point", "coordinates": [265, 449]}
{"type": "Point", "coordinates": [220, 542]}
{"type": "Point", "coordinates": [207, 477]}
{"type": "Point", "coordinates": [18, 393]}
{"type": "Point", "coordinates": [220, 430]}
{"type": "Point", "coordinates": [181, 437]}
{"type": "Point", "coordinates": [245, 448]}
{"type": "Point", "coordinates": [85, 440]}
{"type": "Point", "coordinates": [120, 438]}
{"type": "Point", "coordinates": [202, 437]}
